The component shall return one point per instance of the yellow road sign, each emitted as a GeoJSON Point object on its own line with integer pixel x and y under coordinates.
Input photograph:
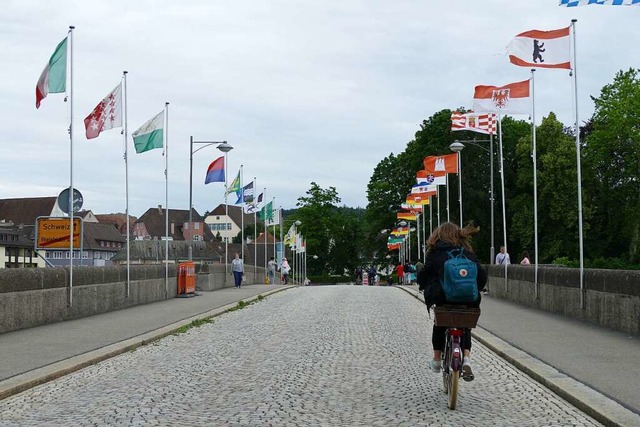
{"type": "Point", "coordinates": [53, 233]}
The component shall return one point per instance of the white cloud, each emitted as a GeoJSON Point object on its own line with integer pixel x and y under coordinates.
{"type": "Point", "coordinates": [304, 91]}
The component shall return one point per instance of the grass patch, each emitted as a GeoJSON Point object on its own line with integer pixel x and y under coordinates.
{"type": "Point", "coordinates": [195, 324]}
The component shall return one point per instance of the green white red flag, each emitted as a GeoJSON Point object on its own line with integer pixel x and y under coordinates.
{"type": "Point", "coordinates": [54, 76]}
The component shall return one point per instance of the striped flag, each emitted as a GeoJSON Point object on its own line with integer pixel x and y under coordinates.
{"type": "Point", "coordinates": [573, 3]}
{"type": "Point", "coordinates": [541, 49]}
{"type": "Point", "coordinates": [481, 123]}
{"type": "Point", "coordinates": [425, 177]}
{"type": "Point", "coordinates": [407, 216]}
{"type": "Point", "coordinates": [54, 76]}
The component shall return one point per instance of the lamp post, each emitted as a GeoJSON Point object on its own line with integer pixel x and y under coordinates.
{"type": "Point", "coordinates": [225, 148]}
{"type": "Point", "coordinates": [491, 194]}
{"type": "Point", "coordinates": [191, 153]}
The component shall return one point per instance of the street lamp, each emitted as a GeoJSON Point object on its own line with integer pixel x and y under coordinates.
{"type": "Point", "coordinates": [191, 153]}
{"type": "Point", "coordinates": [457, 147]}
{"type": "Point", "coordinates": [491, 196]}
{"type": "Point", "coordinates": [225, 148]}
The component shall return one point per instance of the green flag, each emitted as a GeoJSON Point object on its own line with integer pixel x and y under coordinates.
{"type": "Point", "coordinates": [150, 134]}
{"type": "Point", "coordinates": [266, 213]}
{"type": "Point", "coordinates": [234, 187]}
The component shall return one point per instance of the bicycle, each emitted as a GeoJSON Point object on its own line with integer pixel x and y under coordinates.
{"type": "Point", "coordinates": [455, 318]}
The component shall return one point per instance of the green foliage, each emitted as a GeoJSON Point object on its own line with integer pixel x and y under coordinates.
{"type": "Point", "coordinates": [195, 324]}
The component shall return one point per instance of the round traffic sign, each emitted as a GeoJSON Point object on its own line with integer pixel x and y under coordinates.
{"type": "Point", "coordinates": [63, 200]}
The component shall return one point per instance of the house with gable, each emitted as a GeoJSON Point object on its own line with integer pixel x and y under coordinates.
{"type": "Point", "coordinates": [228, 225]}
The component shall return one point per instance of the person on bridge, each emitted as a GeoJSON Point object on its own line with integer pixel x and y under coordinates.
{"type": "Point", "coordinates": [502, 258]}
{"type": "Point", "coordinates": [445, 238]}
{"type": "Point", "coordinates": [400, 273]}
{"type": "Point", "coordinates": [271, 270]}
{"type": "Point", "coordinates": [284, 269]}
{"type": "Point", "coordinates": [237, 267]}
{"type": "Point", "coordinates": [525, 258]}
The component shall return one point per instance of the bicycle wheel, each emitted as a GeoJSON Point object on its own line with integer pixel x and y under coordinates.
{"type": "Point", "coordinates": [445, 381]}
{"type": "Point", "coordinates": [452, 388]}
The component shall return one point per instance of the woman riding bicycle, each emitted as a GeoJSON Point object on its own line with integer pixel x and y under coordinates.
{"type": "Point", "coordinates": [445, 238]}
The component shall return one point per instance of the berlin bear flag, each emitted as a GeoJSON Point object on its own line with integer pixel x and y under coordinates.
{"type": "Point", "coordinates": [513, 98]}
{"type": "Point", "coordinates": [541, 49]}
{"type": "Point", "coordinates": [54, 76]}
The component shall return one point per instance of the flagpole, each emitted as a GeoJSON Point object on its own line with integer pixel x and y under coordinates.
{"type": "Point", "coordinates": [431, 213]}
{"type": "Point", "coordinates": [418, 234]}
{"type": "Point", "coordinates": [166, 194]}
{"type": "Point", "coordinates": [126, 180]}
{"type": "Point", "coordinates": [255, 231]}
{"type": "Point", "coordinates": [460, 185]}
{"type": "Point", "coordinates": [577, 130]}
{"type": "Point", "coordinates": [535, 183]}
{"type": "Point", "coordinates": [264, 218]}
{"type": "Point", "coordinates": [274, 228]}
{"type": "Point", "coordinates": [447, 178]}
{"type": "Point", "coordinates": [438, 197]}
{"type": "Point", "coordinates": [71, 28]}
{"type": "Point", "coordinates": [226, 214]}
{"type": "Point", "coordinates": [281, 222]}
{"type": "Point", "coordinates": [242, 212]}
{"type": "Point", "coordinates": [504, 205]}
{"type": "Point", "coordinates": [492, 250]}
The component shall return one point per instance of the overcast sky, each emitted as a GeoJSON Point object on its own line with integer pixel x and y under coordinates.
{"type": "Point", "coordinates": [303, 90]}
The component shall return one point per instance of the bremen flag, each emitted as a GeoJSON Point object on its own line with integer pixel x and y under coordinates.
{"type": "Point", "coordinates": [481, 123]}
{"type": "Point", "coordinates": [150, 134]}
{"type": "Point", "coordinates": [107, 114]}
{"type": "Point", "coordinates": [54, 76]}
{"type": "Point", "coordinates": [513, 98]}
{"type": "Point", "coordinates": [447, 163]}
{"type": "Point", "coordinates": [541, 49]}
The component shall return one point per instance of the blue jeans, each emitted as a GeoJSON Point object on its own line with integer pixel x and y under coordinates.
{"type": "Point", "coordinates": [237, 277]}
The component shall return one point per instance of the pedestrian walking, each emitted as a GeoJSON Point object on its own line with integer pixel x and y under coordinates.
{"type": "Point", "coordinates": [502, 258]}
{"type": "Point", "coordinates": [237, 267]}
{"type": "Point", "coordinates": [284, 269]}
{"type": "Point", "coordinates": [271, 270]}
{"type": "Point", "coordinates": [525, 258]}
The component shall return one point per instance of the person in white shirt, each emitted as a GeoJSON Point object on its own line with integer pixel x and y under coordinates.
{"type": "Point", "coordinates": [502, 258]}
{"type": "Point", "coordinates": [237, 267]}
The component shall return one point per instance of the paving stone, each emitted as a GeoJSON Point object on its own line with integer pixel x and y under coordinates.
{"type": "Point", "coordinates": [321, 356]}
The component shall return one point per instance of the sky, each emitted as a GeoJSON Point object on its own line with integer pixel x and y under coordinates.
{"type": "Point", "coordinates": [305, 91]}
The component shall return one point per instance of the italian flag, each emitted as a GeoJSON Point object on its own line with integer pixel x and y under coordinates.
{"type": "Point", "coordinates": [54, 76]}
{"type": "Point", "coordinates": [150, 134]}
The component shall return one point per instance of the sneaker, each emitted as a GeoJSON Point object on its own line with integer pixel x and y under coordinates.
{"type": "Point", "coordinates": [467, 373]}
{"type": "Point", "coordinates": [436, 366]}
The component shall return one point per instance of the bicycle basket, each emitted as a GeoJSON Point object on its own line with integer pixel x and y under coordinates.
{"type": "Point", "coordinates": [460, 317]}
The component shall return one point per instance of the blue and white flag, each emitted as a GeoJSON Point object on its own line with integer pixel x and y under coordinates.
{"type": "Point", "coordinates": [245, 195]}
{"type": "Point", "coordinates": [574, 3]}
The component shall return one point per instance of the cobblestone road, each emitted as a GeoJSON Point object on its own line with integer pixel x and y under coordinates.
{"type": "Point", "coordinates": [312, 356]}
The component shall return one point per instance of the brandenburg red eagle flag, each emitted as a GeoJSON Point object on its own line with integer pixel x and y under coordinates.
{"type": "Point", "coordinates": [514, 98]}
{"type": "Point", "coordinates": [541, 49]}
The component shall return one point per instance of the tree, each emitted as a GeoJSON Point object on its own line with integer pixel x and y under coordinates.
{"type": "Point", "coordinates": [612, 160]}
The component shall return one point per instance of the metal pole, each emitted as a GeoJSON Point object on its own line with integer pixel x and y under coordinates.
{"type": "Point", "coordinates": [448, 215]}
{"type": "Point", "coordinates": [166, 180]}
{"type": "Point", "coordinates": [577, 130]}
{"type": "Point", "coordinates": [504, 205]}
{"type": "Point", "coordinates": [226, 213]}
{"type": "Point", "coordinates": [535, 184]}
{"type": "Point", "coordinates": [191, 198]}
{"type": "Point", "coordinates": [460, 185]}
{"type": "Point", "coordinates": [71, 28]}
{"type": "Point", "coordinates": [255, 231]}
{"type": "Point", "coordinates": [242, 212]}
{"type": "Point", "coordinates": [492, 250]}
{"type": "Point", "coordinates": [126, 174]}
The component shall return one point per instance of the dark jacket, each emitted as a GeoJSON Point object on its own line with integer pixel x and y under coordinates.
{"type": "Point", "coordinates": [429, 276]}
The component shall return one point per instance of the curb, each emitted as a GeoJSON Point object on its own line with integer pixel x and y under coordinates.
{"type": "Point", "coordinates": [30, 379]}
{"type": "Point", "coordinates": [588, 400]}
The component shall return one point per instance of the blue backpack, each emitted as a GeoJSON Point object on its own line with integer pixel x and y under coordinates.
{"type": "Point", "coordinates": [459, 281]}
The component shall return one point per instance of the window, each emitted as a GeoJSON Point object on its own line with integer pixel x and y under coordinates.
{"type": "Point", "coordinates": [228, 226]}
{"type": "Point", "coordinates": [186, 225]}
{"type": "Point", "coordinates": [196, 226]}
{"type": "Point", "coordinates": [196, 237]}
{"type": "Point", "coordinates": [85, 255]}
{"type": "Point", "coordinates": [58, 254]}
{"type": "Point", "coordinates": [96, 255]}
{"type": "Point", "coordinates": [101, 243]}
